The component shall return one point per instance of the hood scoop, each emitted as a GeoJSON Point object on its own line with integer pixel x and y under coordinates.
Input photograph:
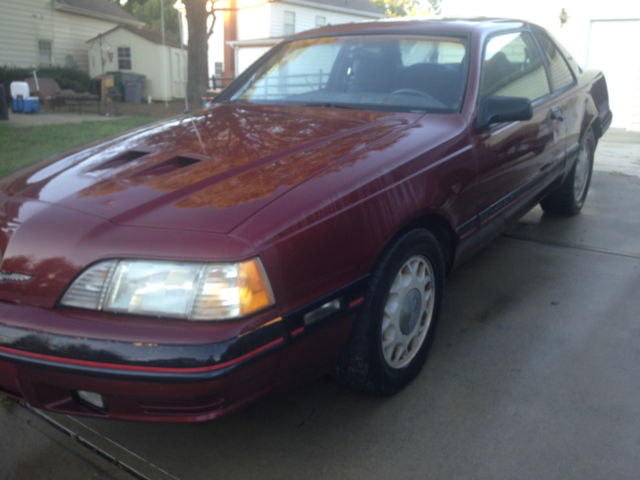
{"type": "Point", "coordinates": [163, 168]}
{"type": "Point", "coordinates": [120, 160]}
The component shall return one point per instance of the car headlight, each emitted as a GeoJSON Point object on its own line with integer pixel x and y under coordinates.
{"type": "Point", "coordinates": [187, 290]}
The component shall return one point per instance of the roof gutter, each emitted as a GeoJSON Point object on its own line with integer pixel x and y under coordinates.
{"type": "Point", "coordinates": [256, 42]}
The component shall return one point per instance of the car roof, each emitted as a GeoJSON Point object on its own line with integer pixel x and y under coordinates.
{"type": "Point", "coordinates": [446, 26]}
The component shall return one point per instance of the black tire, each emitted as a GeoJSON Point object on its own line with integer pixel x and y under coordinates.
{"type": "Point", "coordinates": [569, 198]}
{"type": "Point", "coordinates": [380, 362]}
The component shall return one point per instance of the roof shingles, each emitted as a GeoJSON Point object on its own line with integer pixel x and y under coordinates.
{"type": "Point", "coordinates": [98, 8]}
{"type": "Point", "coordinates": [141, 32]}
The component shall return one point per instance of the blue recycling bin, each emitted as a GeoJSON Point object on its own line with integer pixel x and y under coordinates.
{"type": "Point", "coordinates": [31, 105]}
{"type": "Point", "coordinates": [26, 105]}
{"type": "Point", "coordinates": [18, 105]}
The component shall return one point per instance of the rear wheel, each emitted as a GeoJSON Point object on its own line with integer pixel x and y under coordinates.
{"type": "Point", "coordinates": [394, 330]}
{"type": "Point", "coordinates": [570, 197]}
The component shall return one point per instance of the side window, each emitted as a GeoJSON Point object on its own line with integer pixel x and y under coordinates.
{"type": "Point", "coordinates": [44, 52]}
{"type": "Point", "coordinates": [289, 23]}
{"type": "Point", "coordinates": [124, 58]}
{"type": "Point", "coordinates": [513, 67]}
{"type": "Point", "coordinates": [561, 75]}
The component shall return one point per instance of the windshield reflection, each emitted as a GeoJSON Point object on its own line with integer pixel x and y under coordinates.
{"type": "Point", "coordinates": [380, 72]}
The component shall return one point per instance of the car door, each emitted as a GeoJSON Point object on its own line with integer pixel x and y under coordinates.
{"type": "Point", "coordinates": [566, 110]}
{"type": "Point", "coordinates": [512, 157]}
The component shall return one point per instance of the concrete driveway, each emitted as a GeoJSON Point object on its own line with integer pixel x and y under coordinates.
{"type": "Point", "coordinates": [535, 374]}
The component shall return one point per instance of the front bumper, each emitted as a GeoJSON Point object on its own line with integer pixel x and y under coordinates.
{"type": "Point", "coordinates": [169, 382]}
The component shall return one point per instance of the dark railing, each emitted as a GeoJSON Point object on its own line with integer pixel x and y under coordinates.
{"type": "Point", "coordinates": [218, 82]}
{"type": "Point", "coordinates": [282, 85]}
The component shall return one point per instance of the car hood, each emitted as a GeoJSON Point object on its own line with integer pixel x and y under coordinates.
{"type": "Point", "coordinates": [208, 172]}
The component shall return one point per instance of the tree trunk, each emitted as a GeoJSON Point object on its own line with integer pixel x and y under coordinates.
{"type": "Point", "coordinates": [198, 69]}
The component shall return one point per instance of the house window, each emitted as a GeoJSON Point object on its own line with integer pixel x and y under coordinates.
{"type": "Point", "coordinates": [321, 21]}
{"type": "Point", "coordinates": [289, 23]}
{"type": "Point", "coordinates": [218, 68]}
{"type": "Point", "coordinates": [44, 52]}
{"type": "Point", "coordinates": [124, 58]}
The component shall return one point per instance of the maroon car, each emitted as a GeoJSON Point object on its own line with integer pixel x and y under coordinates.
{"type": "Point", "coordinates": [305, 223]}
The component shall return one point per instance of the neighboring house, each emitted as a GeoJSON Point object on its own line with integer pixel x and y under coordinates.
{"type": "Point", "coordinates": [259, 28]}
{"type": "Point", "coordinates": [134, 50]}
{"type": "Point", "coordinates": [600, 35]}
{"type": "Point", "coordinates": [243, 35]}
{"type": "Point", "coordinates": [36, 33]}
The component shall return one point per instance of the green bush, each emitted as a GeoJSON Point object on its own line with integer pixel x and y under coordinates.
{"type": "Point", "coordinates": [76, 80]}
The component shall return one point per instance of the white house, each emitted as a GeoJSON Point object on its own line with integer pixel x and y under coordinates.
{"type": "Point", "coordinates": [134, 50]}
{"type": "Point", "coordinates": [246, 29]}
{"type": "Point", "coordinates": [54, 32]}
{"type": "Point", "coordinates": [261, 27]}
{"type": "Point", "coordinates": [600, 35]}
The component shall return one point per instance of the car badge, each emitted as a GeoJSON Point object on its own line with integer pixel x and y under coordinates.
{"type": "Point", "coordinates": [14, 277]}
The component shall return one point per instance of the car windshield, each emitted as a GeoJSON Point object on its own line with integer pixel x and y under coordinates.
{"type": "Point", "coordinates": [380, 72]}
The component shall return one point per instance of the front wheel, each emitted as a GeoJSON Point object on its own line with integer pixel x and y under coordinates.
{"type": "Point", "coordinates": [570, 196]}
{"type": "Point", "coordinates": [394, 330]}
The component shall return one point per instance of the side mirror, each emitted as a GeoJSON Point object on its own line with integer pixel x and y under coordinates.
{"type": "Point", "coordinates": [502, 109]}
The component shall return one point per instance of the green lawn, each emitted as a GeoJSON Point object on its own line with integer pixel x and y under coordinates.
{"type": "Point", "coordinates": [22, 146]}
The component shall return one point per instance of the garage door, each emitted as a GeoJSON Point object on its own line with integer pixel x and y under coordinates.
{"type": "Point", "coordinates": [612, 49]}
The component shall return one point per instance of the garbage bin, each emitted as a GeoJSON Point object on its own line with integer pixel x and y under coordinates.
{"type": "Point", "coordinates": [132, 83]}
{"type": "Point", "coordinates": [4, 110]}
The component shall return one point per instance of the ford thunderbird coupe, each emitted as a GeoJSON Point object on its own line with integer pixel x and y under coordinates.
{"type": "Point", "coordinates": [303, 224]}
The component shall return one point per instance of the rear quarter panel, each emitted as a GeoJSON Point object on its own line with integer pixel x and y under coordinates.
{"type": "Point", "coordinates": [594, 84]}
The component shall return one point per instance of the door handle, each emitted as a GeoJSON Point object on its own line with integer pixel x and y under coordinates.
{"type": "Point", "coordinates": [556, 114]}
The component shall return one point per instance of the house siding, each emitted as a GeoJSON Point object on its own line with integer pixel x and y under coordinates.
{"type": "Point", "coordinates": [146, 59]}
{"type": "Point", "coordinates": [254, 22]}
{"type": "Point", "coordinates": [257, 20]}
{"type": "Point", "coordinates": [267, 21]}
{"type": "Point", "coordinates": [24, 22]}
{"type": "Point", "coordinates": [306, 18]}
{"type": "Point", "coordinates": [71, 35]}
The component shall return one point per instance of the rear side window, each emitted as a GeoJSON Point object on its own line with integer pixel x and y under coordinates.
{"type": "Point", "coordinates": [560, 72]}
{"type": "Point", "coordinates": [513, 67]}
